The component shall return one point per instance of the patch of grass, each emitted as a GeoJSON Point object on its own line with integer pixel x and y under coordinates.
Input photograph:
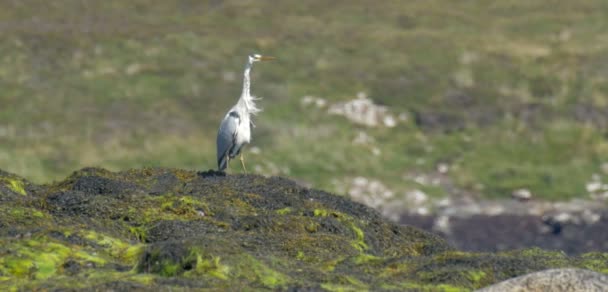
{"type": "Point", "coordinates": [148, 87]}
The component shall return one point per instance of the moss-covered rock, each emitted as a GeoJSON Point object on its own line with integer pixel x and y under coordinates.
{"type": "Point", "coordinates": [170, 228]}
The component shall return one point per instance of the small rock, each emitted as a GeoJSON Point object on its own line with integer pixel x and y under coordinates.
{"type": "Point", "coordinates": [417, 197]}
{"type": "Point", "coordinates": [364, 111]}
{"type": "Point", "coordinates": [389, 121]}
{"type": "Point", "coordinates": [442, 224]}
{"type": "Point", "coordinates": [593, 186]}
{"type": "Point", "coordinates": [590, 217]}
{"type": "Point", "coordinates": [522, 195]}
{"type": "Point", "coordinates": [423, 211]}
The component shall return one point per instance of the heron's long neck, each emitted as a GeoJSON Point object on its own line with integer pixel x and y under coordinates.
{"type": "Point", "coordinates": [246, 81]}
{"type": "Point", "coordinates": [246, 99]}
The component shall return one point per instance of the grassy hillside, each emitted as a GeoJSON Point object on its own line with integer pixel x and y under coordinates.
{"type": "Point", "coordinates": [509, 94]}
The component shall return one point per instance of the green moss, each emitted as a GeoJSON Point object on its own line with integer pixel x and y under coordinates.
{"type": "Point", "coordinates": [38, 214]}
{"type": "Point", "coordinates": [116, 248]}
{"type": "Point", "coordinates": [339, 288]}
{"type": "Point", "coordinates": [40, 258]}
{"type": "Point", "coordinates": [212, 267]}
{"type": "Point", "coordinates": [267, 276]}
{"type": "Point", "coordinates": [312, 227]}
{"type": "Point", "coordinates": [183, 205]}
{"type": "Point", "coordinates": [88, 256]}
{"type": "Point", "coordinates": [346, 283]}
{"type": "Point", "coordinates": [365, 258]}
{"type": "Point", "coordinates": [545, 257]}
{"type": "Point", "coordinates": [16, 186]}
{"type": "Point", "coordinates": [139, 232]}
{"type": "Point", "coordinates": [330, 265]}
{"type": "Point", "coordinates": [477, 276]}
{"type": "Point", "coordinates": [326, 213]}
{"type": "Point", "coordinates": [359, 242]}
{"type": "Point", "coordinates": [595, 261]}
{"type": "Point", "coordinates": [235, 267]}
{"type": "Point", "coordinates": [425, 287]}
{"type": "Point", "coordinates": [23, 216]}
{"type": "Point", "coordinates": [169, 269]}
{"type": "Point", "coordinates": [284, 211]}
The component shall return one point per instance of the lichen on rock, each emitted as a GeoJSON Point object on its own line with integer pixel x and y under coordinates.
{"type": "Point", "coordinates": [158, 228]}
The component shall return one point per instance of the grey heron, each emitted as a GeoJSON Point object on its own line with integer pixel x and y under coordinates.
{"type": "Point", "coordinates": [235, 129]}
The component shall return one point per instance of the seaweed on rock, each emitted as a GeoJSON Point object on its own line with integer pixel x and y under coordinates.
{"type": "Point", "coordinates": [170, 228]}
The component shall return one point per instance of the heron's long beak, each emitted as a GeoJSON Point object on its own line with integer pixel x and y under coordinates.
{"type": "Point", "coordinates": [267, 58]}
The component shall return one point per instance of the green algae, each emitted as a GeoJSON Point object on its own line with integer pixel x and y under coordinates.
{"type": "Point", "coordinates": [330, 265]}
{"type": "Point", "coordinates": [212, 267]}
{"type": "Point", "coordinates": [101, 228]}
{"type": "Point", "coordinates": [234, 267]}
{"type": "Point", "coordinates": [284, 211]}
{"type": "Point", "coordinates": [183, 205]}
{"type": "Point", "coordinates": [15, 185]}
{"type": "Point", "coordinates": [40, 258]}
{"type": "Point", "coordinates": [366, 258]}
{"type": "Point", "coordinates": [359, 242]}
{"type": "Point", "coordinates": [344, 284]}
{"type": "Point", "coordinates": [24, 213]}
{"type": "Point", "coordinates": [24, 216]}
{"type": "Point", "coordinates": [266, 275]}
{"type": "Point", "coordinates": [477, 277]}
{"type": "Point", "coordinates": [116, 248]}
{"type": "Point", "coordinates": [596, 261]}
{"type": "Point", "coordinates": [429, 288]}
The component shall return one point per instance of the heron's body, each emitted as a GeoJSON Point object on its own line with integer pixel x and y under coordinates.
{"type": "Point", "coordinates": [235, 129]}
{"type": "Point", "coordinates": [234, 133]}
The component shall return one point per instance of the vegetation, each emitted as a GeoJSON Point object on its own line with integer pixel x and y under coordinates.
{"type": "Point", "coordinates": [171, 229]}
{"type": "Point", "coordinates": [511, 94]}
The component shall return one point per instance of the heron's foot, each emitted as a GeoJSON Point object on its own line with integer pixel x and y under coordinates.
{"type": "Point", "coordinates": [243, 162]}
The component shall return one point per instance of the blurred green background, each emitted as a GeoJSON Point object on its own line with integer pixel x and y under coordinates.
{"type": "Point", "coordinates": [492, 96]}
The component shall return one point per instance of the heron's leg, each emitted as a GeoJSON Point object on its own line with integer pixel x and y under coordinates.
{"type": "Point", "coordinates": [243, 162]}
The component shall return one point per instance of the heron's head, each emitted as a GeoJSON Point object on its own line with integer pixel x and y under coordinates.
{"type": "Point", "coordinates": [258, 57]}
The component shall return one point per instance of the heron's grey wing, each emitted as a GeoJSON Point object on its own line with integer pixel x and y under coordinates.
{"type": "Point", "coordinates": [226, 137]}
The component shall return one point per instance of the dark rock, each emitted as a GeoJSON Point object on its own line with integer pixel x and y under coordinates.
{"type": "Point", "coordinates": [163, 183]}
{"type": "Point", "coordinates": [176, 230]}
{"type": "Point", "coordinates": [97, 185]}
{"type": "Point", "coordinates": [483, 233]}
{"type": "Point", "coordinates": [71, 267]}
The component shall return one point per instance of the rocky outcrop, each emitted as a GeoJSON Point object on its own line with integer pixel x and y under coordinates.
{"type": "Point", "coordinates": [166, 229]}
